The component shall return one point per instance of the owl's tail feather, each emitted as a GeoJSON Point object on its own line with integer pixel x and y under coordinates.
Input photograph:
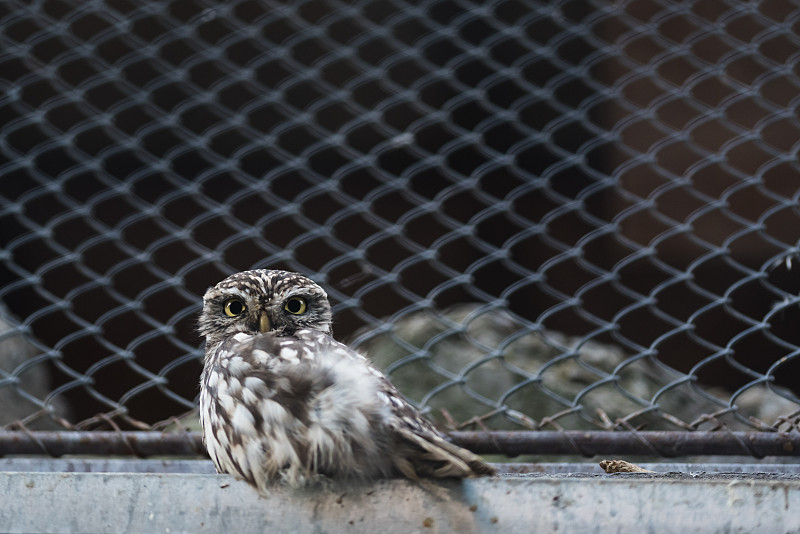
{"type": "Point", "coordinates": [430, 455]}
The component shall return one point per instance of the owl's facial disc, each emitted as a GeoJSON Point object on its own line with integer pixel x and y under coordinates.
{"type": "Point", "coordinates": [261, 301]}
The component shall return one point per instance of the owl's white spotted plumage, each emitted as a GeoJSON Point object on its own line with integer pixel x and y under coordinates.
{"type": "Point", "coordinates": [281, 400]}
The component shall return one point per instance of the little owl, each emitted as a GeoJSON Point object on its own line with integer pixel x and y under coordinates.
{"type": "Point", "coordinates": [281, 400]}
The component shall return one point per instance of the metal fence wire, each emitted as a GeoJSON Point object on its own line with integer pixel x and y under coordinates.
{"type": "Point", "coordinates": [563, 217]}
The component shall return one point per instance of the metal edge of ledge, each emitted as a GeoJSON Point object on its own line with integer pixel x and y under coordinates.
{"type": "Point", "coordinates": [666, 444]}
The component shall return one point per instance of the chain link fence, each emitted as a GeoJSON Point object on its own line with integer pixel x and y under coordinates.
{"type": "Point", "coordinates": [536, 216]}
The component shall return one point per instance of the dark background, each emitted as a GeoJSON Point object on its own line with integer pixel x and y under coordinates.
{"type": "Point", "coordinates": [626, 174]}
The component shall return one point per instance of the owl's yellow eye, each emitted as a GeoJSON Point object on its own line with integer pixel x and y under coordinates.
{"type": "Point", "coordinates": [234, 307]}
{"type": "Point", "coordinates": [295, 305]}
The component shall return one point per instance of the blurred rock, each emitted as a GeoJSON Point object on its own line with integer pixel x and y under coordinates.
{"type": "Point", "coordinates": [470, 362]}
{"type": "Point", "coordinates": [24, 389]}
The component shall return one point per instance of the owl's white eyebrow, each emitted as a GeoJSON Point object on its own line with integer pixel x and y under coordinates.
{"type": "Point", "coordinates": [235, 292]}
{"type": "Point", "coordinates": [298, 292]}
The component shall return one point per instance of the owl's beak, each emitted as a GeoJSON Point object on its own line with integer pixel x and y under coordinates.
{"type": "Point", "coordinates": [263, 324]}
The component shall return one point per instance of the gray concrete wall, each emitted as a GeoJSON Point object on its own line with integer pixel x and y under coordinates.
{"type": "Point", "coordinates": [181, 502]}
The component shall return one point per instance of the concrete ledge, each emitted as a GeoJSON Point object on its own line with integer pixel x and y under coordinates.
{"type": "Point", "coordinates": [171, 502]}
{"type": "Point", "coordinates": [82, 464]}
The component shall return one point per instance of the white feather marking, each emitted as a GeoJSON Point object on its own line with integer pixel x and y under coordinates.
{"type": "Point", "coordinates": [249, 397]}
{"type": "Point", "coordinates": [260, 356]}
{"type": "Point", "coordinates": [241, 336]}
{"type": "Point", "coordinates": [243, 420]}
{"type": "Point", "coordinates": [359, 423]}
{"type": "Point", "coordinates": [238, 366]}
{"type": "Point", "coordinates": [349, 371]}
{"type": "Point", "coordinates": [272, 411]}
{"type": "Point", "coordinates": [321, 445]}
{"type": "Point", "coordinates": [257, 386]}
{"type": "Point", "coordinates": [236, 452]}
{"type": "Point", "coordinates": [222, 438]}
{"type": "Point", "coordinates": [234, 386]}
{"type": "Point", "coordinates": [213, 379]}
{"type": "Point", "coordinates": [386, 399]}
{"type": "Point", "coordinates": [282, 452]}
{"type": "Point", "coordinates": [225, 400]}
{"type": "Point", "coordinates": [290, 355]}
{"type": "Point", "coordinates": [255, 456]}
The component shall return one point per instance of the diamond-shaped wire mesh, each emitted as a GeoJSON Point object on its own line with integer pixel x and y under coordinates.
{"type": "Point", "coordinates": [533, 215]}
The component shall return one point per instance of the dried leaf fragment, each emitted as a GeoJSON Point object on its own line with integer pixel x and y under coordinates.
{"type": "Point", "coordinates": [621, 466]}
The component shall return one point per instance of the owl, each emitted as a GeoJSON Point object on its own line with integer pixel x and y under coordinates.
{"type": "Point", "coordinates": [282, 401]}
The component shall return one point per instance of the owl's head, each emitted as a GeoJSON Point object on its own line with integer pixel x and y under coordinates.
{"type": "Point", "coordinates": [263, 301]}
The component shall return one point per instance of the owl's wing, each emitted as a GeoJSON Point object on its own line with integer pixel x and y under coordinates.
{"type": "Point", "coordinates": [421, 451]}
{"type": "Point", "coordinates": [429, 455]}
